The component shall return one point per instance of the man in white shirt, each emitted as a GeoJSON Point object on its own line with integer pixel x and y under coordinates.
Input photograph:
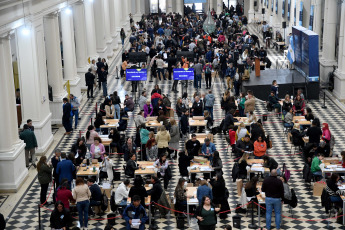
{"type": "Point", "coordinates": [121, 193]}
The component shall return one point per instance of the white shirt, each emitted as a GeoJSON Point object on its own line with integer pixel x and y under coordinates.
{"type": "Point", "coordinates": [121, 193]}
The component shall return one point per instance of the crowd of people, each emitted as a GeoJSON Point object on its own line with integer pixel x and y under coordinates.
{"type": "Point", "coordinates": [228, 53]}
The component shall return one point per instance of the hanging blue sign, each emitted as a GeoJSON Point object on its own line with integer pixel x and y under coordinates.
{"type": "Point", "coordinates": [288, 13]}
{"type": "Point", "coordinates": [311, 21]}
{"type": "Point", "coordinates": [301, 14]}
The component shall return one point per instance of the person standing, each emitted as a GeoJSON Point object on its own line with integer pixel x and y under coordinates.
{"type": "Point", "coordinates": [81, 193]}
{"type": "Point", "coordinates": [249, 104]}
{"type": "Point", "coordinates": [116, 101]}
{"type": "Point", "coordinates": [209, 102]}
{"type": "Point", "coordinates": [208, 73]}
{"type": "Point", "coordinates": [123, 36]}
{"type": "Point", "coordinates": [198, 71]}
{"type": "Point", "coordinates": [54, 161]}
{"type": "Point", "coordinates": [29, 139]}
{"type": "Point", "coordinates": [66, 117]}
{"type": "Point", "coordinates": [75, 109]}
{"type": "Point", "coordinates": [99, 65]}
{"type": "Point", "coordinates": [29, 123]}
{"type": "Point", "coordinates": [274, 192]}
{"type": "Point", "coordinates": [65, 169]}
{"type": "Point", "coordinates": [90, 81]}
{"type": "Point", "coordinates": [44, 177]}
{"type": "Point", "coordinates": [102, 76]}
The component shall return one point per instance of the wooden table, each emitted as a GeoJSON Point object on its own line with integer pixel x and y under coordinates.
{"type": "Point", "coordinates": [331, 160]}
{"type": "Point", "coordinates": [256, 161]}
{"type": "Point", "coordinates": [84, 171]}
{"type": "Point", "coordinates": [201, 137]}
{"type": "Point", "coordinates": [306, 139]}
{"type": "Point", "coordinates": [105, 140]}
{"type": "Point", "coordinates": [196, 123]}
{"type": "Point", "coordinates": [242, 119]}
{"type": "Point", "coordinates": [300, 120]}
{"type": "Point", "coordinates": [145, 171]}
{"type": "Point", "coordinates": [332, 168]}
{"type": "Point", "coordinates": [191, 191]}
{"type": "Point", "coordinates": [200, 165]}
{"type": "Point", "coordinates": [110, 123]}
{"type": "Point", "coordinates": [153, 124]}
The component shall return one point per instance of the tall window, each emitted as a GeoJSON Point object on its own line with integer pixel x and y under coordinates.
{"type": "Point", "coordinates": [157, 6]}
{"type": "Point", "coordinates": [198, 6]}
{"type": "Point", "coordinates": [228, 3]}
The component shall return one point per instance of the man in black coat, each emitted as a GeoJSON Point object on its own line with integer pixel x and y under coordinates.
{"type": "Point", "coordinates": [156, 190]}
{"type": "Point", "coordinates": [99, 64]}
{"type": "Point", "coordinates": [193, 146]}
{"type": "Point", "coordinates": [243, 145]}
{"type": "Point", "coordinates": [103, 80]}
{"type": "Point", "coordinates": [66, 116]}
{"type": "Point", "coordinates": [90, 81]}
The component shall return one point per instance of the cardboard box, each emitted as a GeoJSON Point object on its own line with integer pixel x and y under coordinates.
{"type": "Point", "coordinates": [239, 184]}
{"type": "Point", "coordinates": [318, 188]}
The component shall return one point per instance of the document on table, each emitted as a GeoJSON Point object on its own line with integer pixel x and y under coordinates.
{"type": "Point", "coordinates": [340, 169]}
{"type": "Point", "coordinates": [258, 169]}
{"type": "Point", "coordinates": [106, 186]}
{"type": "Point", "coordinates": [150, 167]}
{"type": "Point", "coordinates": [257, 165]}
{"type": "Point", "coordinates": [135, 223]}
{"type": "Point", "coordinates": [342, 187]}
{"type": "Point", "coordinates": [204, 169]}
{"type": "Point", "coordinates": [328, 169]}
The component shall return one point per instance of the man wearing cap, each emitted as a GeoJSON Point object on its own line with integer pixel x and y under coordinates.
{"type": "Point", "coordinates": [208, 148]}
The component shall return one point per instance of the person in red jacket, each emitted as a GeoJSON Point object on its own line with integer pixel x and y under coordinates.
{"type": "Point", "coordinates": [232, 136]}
{"type": "Point", "coordinates": [64, 195]}
{"type": "Point", "coordinates": [259, 148]}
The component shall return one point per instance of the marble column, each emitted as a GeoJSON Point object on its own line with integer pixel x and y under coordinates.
{"type": "Point", "coordinates": [329, 36]}
{"type": "Point", "coordinates": [113, 25]}
{"type": "Point", "coordinates": [80, 42]}
{"type": "Point", "coordinates": [118, 20]}
{"type": "Point", "coordinates": [220, 6]}
{"type": "Point", "coordinates": [32, 71]}
{"type": "Point", "coordinates": [180, 7]}
{"type": "Point", "coordinates": [108, 37]}
{"type": "Point", "coordinates": [317, 25]}
{"type": "Point", "coordinates": [169, 6]}
{"type": "Point", "coordinates": [90, 30]}
{"type": "Point", "coordinates": [139, 11]}
{"type": "Point", "coordinates": [101, 44]}
{"type": "Point", "coordinates": [69, 56]}
{"type": "Point", "coordinates": [339, 80]}
{"type": "Point", "coordinates": [54, 66]}
{"type": "Point", "coordinates": [213, 5]}
{"type": "Point", "coordinates": [12, 154]}
{"type": "Point", "coordinates": [250, 11]}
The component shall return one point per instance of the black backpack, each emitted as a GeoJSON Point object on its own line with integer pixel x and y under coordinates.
{"type": "Point", "coordinates": [293, 202]}
{"type": "Point", "coordinates": [104, 202]}
{"type": "Point", "coordinates": [112, 202]}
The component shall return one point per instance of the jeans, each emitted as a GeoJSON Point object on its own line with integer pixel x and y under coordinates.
{"type": "Point", "coordinates": [123, 41]}
{"type": "Point", "coordinates": [174, 87]}
{"type": "Point", "coordinates": [318, 173]}
{"type": "Point", "coordinates": [197, 81]}
{"type": "Point", "coordinates": [208, 80]}
{"type": "Point", "coordinates": [123, 202]}
{"type": "Point", "coordinates": [336, 199]}
{"type": "Point", "coordinates": [117, 111]}
{"type": "Point", "coordinates": [127, 109]}
{"type": "Point", "coordinates": [288, 125]}
{"type": "Point", "coordinates": [83, 212]}
{"type": "Point", "coordinates": [159, 70]}
{"type": "Point", "coordinates": [105, 92]}
{"type": "Point", "coordinates": [210, 110]}
{"type": "Point", "coordinates": [44, 190]}
{"type": "Point", "coordinates": [241, 111]}
{"type": "Point", "coordinates": [76, 116]}
{"type": "Point", "coordinates": [273, 203]}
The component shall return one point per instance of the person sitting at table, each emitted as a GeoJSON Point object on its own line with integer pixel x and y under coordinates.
{"type": "Point", "coordinates": [90, 136]}
{"type": "Point", "coordinates": [324, 149]}
{"type": "Point", "coordinates": [79, 150]}
{"type": "Point", "coordinates": [208, 149]}
{"type": "Point", "coordinates": [98, 121]}
{"type": "Point", "coordinates": [243, 145]}
{"type": "Point", "coordinates": [197, 107]}
{"type": "Point", "coordinates": [184, 122]}
{"type": "Point", "coordinates": [309, 116]}
{"type": "Point", "coordinates": [209, 121]}
{"type": "Point", "coordinates": [203, 190]}
{"type": "Point", "coordinates": [162, 165]}
{"type": "Point", "coordinates": [121, 193]}
{"type": "Point", "coordinates": [151, 148]}
{"type": "Point", "coordinates": [315, 134]}
{"type": "Point", "coordinates": [297, 136]}
{"type": "Point", "coordinates": [333, 191]}
{"type": "Point", "coordinates": [128, 149]}
{"type": "Point", "coordinates": [148, 109]}
{"type": "Point", "coordinates": [251, 190]}
{"type": "Point", "coordinates": [131, 166]}
{"type": "Point", "coordinates": [184, 162]}
{"type": "Point", "coordinates": [96, 194]}
{"type": "Point", "coordinates": [97, 149]}
{"type": "Point", "coordinates": [109, 109]}
{"type": "Point", "coordinates": [106, 169]}
{"type": "Point", "coordinates": [288, 119]}
{"type": "Point", "coordinates": [162, 118]}
{"type": "Point", "coordinates": [273, 100]}
{"type": "Point", "coordinates": [260, 148]}
{"type": "Point", "coordinates": [298, 106]}
{"type": "Point", "coordinates": [129, 104]}
{"type": "Point", "coordinates": [159, 106]}
{"type": "Point", "coordinates": [286, 104]}
{"type": "Point", "coordinates": [135, 210]}
{"type": "Point", "coordinates": [60, 217]}
{"type": "Point", "coordinates": [138, 189]}
{"type": "Point", "coordinates": [115, 137]}
{"type": "Point", "coordinates": [241, 131]}
{"type": "Point", "coordinates": [287, 191]}
{"type": "Point", "coordinates": [315, 166]}
{"type": "Point", "coordinates": [270, 163]}
{"type": "Point", "coordinates": [252, 118]}
{"type": "Point", "coordinates": [139, 119]}
{"type": "Point", "coordinates": [326, 134]}
{"type": "Point", "coordinates": [162, 139]}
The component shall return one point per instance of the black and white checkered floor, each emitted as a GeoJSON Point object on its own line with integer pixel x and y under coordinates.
{"type": "Point", "coordinates": [25, 214]}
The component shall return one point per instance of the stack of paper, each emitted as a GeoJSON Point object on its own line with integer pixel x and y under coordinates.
{"type": "Point", "coordinates": [258, 169]}
{"type": "Point", "coordinates": [342, 187]}
{"type": "Point", "coordinates": [340, 169]}
{"type": "Point", "coordinates": [135, 223]}
{"type": "Point", "coordinates": [106, 186]}
{"type": "Point", "coordinates": [328, 170]}
{"type": "Point", "coordinates": [256, 165]}
{"type": "Point", "coordinates": [204, 169]}
{"type": "Point", "coordinates": [150, 167]}
{"type": "Point", "coordinates": [193, 200]}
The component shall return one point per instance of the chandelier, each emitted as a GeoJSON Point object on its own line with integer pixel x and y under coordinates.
{"type": "Point", "coordinates": [209, 25]}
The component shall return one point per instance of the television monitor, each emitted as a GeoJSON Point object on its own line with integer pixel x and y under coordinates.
{"type": "Point", "coordinates": [184, 74]}
{"type": "Point", "coordinates": [136, 74]}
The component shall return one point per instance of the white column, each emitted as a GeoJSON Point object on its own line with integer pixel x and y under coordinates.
{"type": "Point", "coordinates": [328, 45]}
{"type": "Point", "coordinates": [250, 11]}
{"type": "Point", "coordinates": [317, 25]}
{"type": "Point", "coordinates": [32, 71]}
{"type": "Point", "coordinates": [180, 7]}
{"type": "Point", "coordinates": [113, 23]}
{"type": "Point", "coordinates": [213, 5]}
{"type": "Point", "coordinates": [220, 7]}
{"type": "Point", "coordinates": [169, 6]}
{"type": "Point", "coordinates": [69, 56]}
{"type": "Point", "coordinates": [108, 37]}
{"type": "Point", "coordinates": [90, 30]}
{"type": "Point", "coordinates": [100, 28]}
{"type": "Point", "coordinates": [54, 66]}
{"type": "Point", "coordinates": [12, 155]}
{"type": "Point", "coordinates": [80, 42]}
{"type": "Point", "coordinates": [339, 80]}
{"type": "Point", "coordinates": [118, 20]}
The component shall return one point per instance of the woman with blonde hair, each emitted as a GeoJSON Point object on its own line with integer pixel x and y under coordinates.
{"type": "Point", "coordinates": [163, 137]}
{"type": "Point", "coordinates": [81, 193]}
{"type": "Point", "coordinates": [241, 131]}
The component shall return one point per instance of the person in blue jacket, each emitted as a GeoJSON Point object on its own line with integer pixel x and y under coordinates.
{"type": "Point", "coordinates": [65, 169]}
{"type": "Point", "coordinates": [203, 190]}
{"type": "Point", "coordinates": [135, 211]}
{"type": "Point", "coordinates": [208, 148]}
